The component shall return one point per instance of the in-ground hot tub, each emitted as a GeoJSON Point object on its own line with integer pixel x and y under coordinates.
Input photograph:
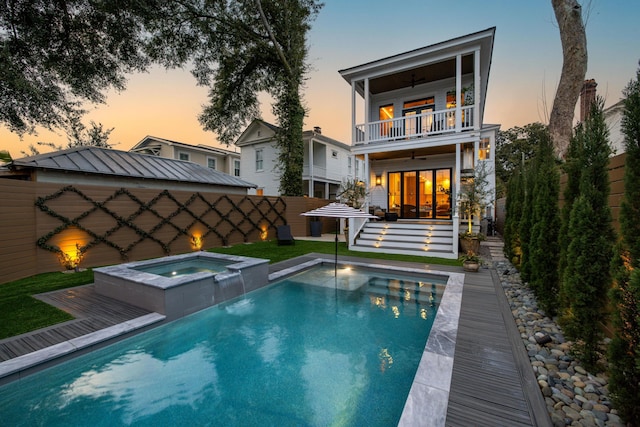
{"type": "Point", "coordinates": [181, 284]}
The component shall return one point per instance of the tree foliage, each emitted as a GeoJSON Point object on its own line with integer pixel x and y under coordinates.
{"type": "Point", "coordinates": [515, 146]}
{"type": "Point", "coordinates": [476, 193]}
{"type": "Point", "coordinates": [544, 233]}
{"type": "Point", "coordinates": [513, 206]}
{"type": "Point", "coordinates": [353, 193]}
{"type": "Point", "coordinates": [572, 168]}
{"type": "Point", "coordinates": [55, 55]}
{"type": "Point", "coordinates": [240, 49]}
{"type": "Point", "coordinates": [624, 352]}
{"type": "Point", "coordinates": [587, 277]}
{"type": "Point", "coordinates": [526, 221]}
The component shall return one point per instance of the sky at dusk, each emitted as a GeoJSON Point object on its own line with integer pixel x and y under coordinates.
{"type": "Point", "coordinates": [526, 66]}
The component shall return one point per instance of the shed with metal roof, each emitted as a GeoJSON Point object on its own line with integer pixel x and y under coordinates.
{"type": "Point", "coordinates": [106, 167]}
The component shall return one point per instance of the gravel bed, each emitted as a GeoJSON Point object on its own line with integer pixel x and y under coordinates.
{"type": "Point", "coordinates": [574, 397]}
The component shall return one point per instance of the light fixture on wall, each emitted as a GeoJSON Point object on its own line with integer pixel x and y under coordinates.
{"type": "Point", "coordinates": [378, 180]}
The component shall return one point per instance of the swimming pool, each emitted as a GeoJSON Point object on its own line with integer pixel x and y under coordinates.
{"type": "Point", "coordinates": [298, 352]}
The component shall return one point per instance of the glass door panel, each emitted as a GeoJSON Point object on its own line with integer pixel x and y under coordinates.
{"type": "Point", "coordinates": [425, 190]}
{"type": "Point", "coordinates": [395, 196]}
{"type": "Point", "coordinates": [443, 194]}
{"type": "Point", "coordinates": [409, 196]}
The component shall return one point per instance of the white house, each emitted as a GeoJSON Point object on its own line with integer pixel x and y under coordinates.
{"type": "Point", "coordinates": [211, 157]}
{"type": "Point", "coordinates": [613, 119]}
{"type": "Point", "coordinates": [420, 135]}
{"type": "Point", "coordinates": [327, 162]}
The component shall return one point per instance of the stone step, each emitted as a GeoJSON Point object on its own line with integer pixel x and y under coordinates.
{"type": "Point", "coordinates": [409, 238]}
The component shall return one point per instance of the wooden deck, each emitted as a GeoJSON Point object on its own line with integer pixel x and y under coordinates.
{"type": "Point", "coordinates": [492, 382]}
{"type": "Point", "coordinates": [92, 313]}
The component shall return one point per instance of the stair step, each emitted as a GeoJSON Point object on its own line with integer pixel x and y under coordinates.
{"type": "Point", "coordinates": [366, 235]}
{"type": "Point", "coordinates": [407, 237]}
{"type": "Point", "coordinates": [421, 297]}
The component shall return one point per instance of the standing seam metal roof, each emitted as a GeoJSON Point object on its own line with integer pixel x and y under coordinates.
{"type": "Point", "coordinates": [104, 161]}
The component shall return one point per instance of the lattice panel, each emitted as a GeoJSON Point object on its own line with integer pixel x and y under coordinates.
{"type": "Point", "coordinates": [162, 220]}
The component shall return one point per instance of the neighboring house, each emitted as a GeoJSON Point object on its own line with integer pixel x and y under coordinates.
{"type": "Point", "coordinates": [612, 115]}
{"type": "Point", "coordinates": [105, 167]}
{"type": "Point", "coordinates": [421, 135]}
{"type": "Point", "coordinates": [327, 162]}
{"type": "Point", "coordinates": [215, 158]}
{"type": "Point", "coordinates": [613, 119]}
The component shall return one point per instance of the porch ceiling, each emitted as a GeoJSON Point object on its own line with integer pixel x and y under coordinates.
{"type": "Point", "coordinates": [417, 76]}
{"type": "Point", "coordinates": [411, 153]}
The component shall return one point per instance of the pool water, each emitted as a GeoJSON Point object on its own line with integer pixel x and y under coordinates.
{"type": "Point", "coordinates": [189, 266]}
{"type": "Point", "coordinates": [290, 354]}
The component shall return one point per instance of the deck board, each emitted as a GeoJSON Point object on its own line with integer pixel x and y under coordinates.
{"type": "Point", "coordinates": [92, 312]}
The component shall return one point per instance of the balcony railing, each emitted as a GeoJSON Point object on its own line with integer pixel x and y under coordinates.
{"type": "Point", "coordinates": [415, 126]}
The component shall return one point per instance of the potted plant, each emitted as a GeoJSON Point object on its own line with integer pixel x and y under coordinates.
{"type": "Point", "coordinates": [352, 193]}
{"type": "Point", "coordinates": [474, 196]}
{"type": "Point", "coordinates": [470, 261]}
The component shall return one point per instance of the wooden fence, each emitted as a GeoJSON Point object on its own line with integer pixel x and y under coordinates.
{"type": "Point", "coordinates": [43, 225]}
{"type": "Point", "coordinates": [616, 180]}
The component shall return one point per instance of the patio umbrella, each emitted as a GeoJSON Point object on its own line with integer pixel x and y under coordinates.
{"type": "Point", "coordinates": [337, 211]}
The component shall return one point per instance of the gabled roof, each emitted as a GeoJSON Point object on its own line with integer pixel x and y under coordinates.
{"type": "Point", "coordinates": [148, 141]}
{"type": "Point", "coordinates": [429, 63]}
{"type": "Point", "coordinates": [243, 139]}
{"type": "Point", "coordinates": [102, 161]}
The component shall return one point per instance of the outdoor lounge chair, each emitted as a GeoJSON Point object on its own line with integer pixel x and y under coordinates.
{"type": "Point", "coordinates": [283, 233]}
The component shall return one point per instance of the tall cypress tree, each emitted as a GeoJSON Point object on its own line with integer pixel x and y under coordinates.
{"type": "Point", "coordinates": [526, 221]}
{"type": "Point", "coordinates": [587, 276]}
{"type": "Point", "coordinates": [543, 244]}
{"type": "Point", "coordinates": [513, 205]}
{"type": "Point", "coordinates": [624, 351]}
{"type": "Point", "coordinates": [572, 169]}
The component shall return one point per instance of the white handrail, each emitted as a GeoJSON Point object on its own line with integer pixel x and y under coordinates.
{"type": "Point", "coordinates": [415, 126]}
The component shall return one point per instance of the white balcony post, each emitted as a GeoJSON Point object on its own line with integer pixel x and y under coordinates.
{"type": "Point", "coordinates": [458, 92]}
{"type": "Point", "coordinates": [354, 132]}
{"type": "Point", "coordinates": [366, 110]}
{"type": "Point", "coordinates": [476, 90]}
{"type": "Point", "coordinates": [310, 167]}
{"type": "Point", "coordinates": [454, 200]}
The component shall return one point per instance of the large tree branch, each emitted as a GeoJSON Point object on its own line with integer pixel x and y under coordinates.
{"type": "Point", "coordinates": [574, 68]}
{"type": "Point", "coordinates": [276, 46]}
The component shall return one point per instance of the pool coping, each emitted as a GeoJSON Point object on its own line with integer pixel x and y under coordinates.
{"type": "Point", "coordinates": [14, 369]}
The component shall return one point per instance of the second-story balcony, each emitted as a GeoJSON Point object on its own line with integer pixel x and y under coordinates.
{"type": "Point", "coordinates": [423, 125]}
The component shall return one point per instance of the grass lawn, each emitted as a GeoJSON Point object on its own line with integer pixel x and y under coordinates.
{"type": "Point", "coordinates": [275, 253]}
{"type": "Point", "coordinates": [21, 313]}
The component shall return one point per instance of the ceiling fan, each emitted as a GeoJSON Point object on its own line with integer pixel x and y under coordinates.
{"type": "Point", "coordinates": [414, 81]}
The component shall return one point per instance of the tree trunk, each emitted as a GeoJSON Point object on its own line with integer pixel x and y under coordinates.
{"type": "Point", "coordinates": [574, 68]}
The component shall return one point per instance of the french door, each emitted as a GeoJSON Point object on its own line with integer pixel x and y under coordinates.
{"type": "Point", "coordinates": [420, 193]}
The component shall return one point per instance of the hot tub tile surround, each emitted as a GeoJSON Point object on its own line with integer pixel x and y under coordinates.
{"type": "Point", "coordinates": [176, 297]}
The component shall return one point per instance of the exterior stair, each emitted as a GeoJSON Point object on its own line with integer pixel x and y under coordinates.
{"type": "Point", "coordinates": [423, 238]}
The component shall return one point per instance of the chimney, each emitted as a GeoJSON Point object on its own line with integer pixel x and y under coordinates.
{"type": "Point", "coordinates": [587, 97]}
{"type": "Point", "coordinates": [318, 130]}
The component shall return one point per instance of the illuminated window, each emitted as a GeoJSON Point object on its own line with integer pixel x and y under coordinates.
{"type": "Point", "coordinates": [260, 192]}
{"type": "Point", "coordinates": [485, 149]}
{"type": "Point", "coordinates": [259, 160]}
{"type": "Point", "coordinates": [386, 116]}
{"type": "Point", "coordinates": [419, 103]}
